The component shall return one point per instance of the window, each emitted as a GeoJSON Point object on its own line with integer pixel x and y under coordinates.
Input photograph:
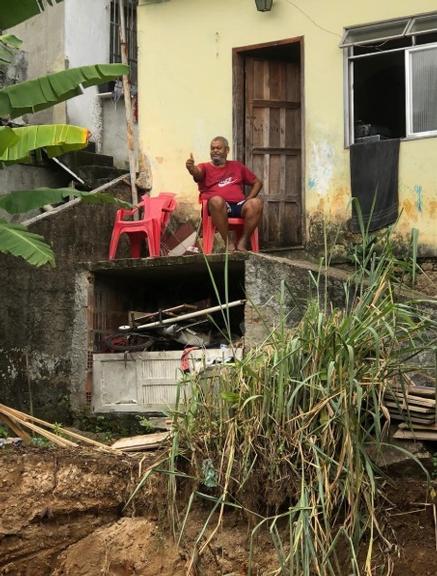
{"type": "Point", "coordinates": [130, 16]}
{"type": "Point", "coordinates": [391, 79]}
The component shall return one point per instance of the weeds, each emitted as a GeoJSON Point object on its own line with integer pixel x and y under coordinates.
{"type": "Point", "coordinates": [286, 433]}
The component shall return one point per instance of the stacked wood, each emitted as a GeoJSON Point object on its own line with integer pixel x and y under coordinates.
{"type": "Point", "coordinates": [415, 406]}
{"type": "Point", "coordinates": [24, 425]}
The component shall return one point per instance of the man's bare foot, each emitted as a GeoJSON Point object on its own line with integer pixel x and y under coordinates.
{"type": "Point", "coordinates": [242, 246]}
{"type": "Point", "coordinates": [231, 247]}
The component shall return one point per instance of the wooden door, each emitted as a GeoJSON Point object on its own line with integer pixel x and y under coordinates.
{"type": "Point", "coordinates": [273, 145]}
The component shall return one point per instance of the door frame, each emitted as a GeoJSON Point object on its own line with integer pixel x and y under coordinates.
{"type": "Point", "coordinates": [238, 107]}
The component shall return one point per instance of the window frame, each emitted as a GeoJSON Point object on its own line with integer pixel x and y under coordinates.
{"type": "Point", "coordinates": [409, 93]}
{"type": "Point", "coordinates": [348, 67]}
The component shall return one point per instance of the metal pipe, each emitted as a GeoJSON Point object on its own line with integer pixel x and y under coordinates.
{"type": "Point", "coordinates": [177, 319]}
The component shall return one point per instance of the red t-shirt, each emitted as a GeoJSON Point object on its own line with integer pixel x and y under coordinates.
{"type": "Point", "coordinates": [226, 181]}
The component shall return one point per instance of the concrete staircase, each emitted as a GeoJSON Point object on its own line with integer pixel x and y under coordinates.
{"type": "Point", "coordinates": [95, 169]}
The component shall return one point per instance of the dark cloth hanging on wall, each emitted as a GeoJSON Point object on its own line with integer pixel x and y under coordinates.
{"type": "Point", "coordinates": [374, 170]}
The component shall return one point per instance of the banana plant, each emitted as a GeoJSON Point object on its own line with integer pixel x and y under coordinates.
{"type": "Point", "coordinates": [17, 143]}
{"type": "Point", "coordinates": [8, 46]}
{"type": "Point", "coordinates": [35, 95]}
{"type": "Point", "coordinates": [16, 11]}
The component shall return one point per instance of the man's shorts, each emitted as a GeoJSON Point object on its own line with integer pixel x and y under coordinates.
{"type": "Point", "coordinates": [234, 209]}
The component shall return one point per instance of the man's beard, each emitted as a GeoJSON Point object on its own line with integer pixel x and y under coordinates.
{"type": "Point", "coordinates": [217, 161]}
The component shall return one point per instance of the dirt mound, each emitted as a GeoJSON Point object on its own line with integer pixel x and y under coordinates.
{"type": "Point", "coordinates": [51, 498]}
{"type": "Point", "coordinates": [132, 546]}
{"type": "Point", "coordinates": [61, 515]}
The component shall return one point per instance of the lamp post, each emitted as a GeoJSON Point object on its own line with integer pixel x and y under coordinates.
{"type": "Point", "coordinates": [264, 5]}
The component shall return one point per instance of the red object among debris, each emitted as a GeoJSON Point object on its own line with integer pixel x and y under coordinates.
{"type": "Point", "coordinates": [208, 230]}
{"type": "Point", "coordinates": [185, 360]}
{"type": "Point", "coordinates": [154, 216]}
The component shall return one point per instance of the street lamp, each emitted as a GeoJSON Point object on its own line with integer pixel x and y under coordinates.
{"type": "Point", "coordinates": [263, 5]}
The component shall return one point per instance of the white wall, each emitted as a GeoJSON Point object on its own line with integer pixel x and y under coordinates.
{"type": "Point", "coordinates": [86, 42]}
{"type": "Point", "coordinates": [43, 48]}
{"type": "Point", "coordinates": [114, 136]}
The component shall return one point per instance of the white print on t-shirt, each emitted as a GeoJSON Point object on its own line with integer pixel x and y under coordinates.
{"type": "Point", "coordinates": [226, 182]}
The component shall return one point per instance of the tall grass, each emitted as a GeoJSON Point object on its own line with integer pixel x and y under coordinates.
{"type": "Point", "coordinates": [286, 433]}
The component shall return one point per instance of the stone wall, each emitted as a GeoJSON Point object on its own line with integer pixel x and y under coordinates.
{"type": "Point", "coordinates": [37, 314]}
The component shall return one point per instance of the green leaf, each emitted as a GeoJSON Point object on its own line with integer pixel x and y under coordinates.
{"type": "Point", "coordinates": [41, 93]}
{"type": "Point", "coordinates": [21, 201]}
{"type": "Point", "coordinates": [8, 45]}
{"type": "Point", "coordinates": [13, 12]}
{"type": "Point", "coordinates": [18, 241]}
{"type": "Point", "coordinates": [230, 397]}
{"type": "Point", "coordinates": [7, 138]}
{"type": "Point", "coordinates": [56, 139]}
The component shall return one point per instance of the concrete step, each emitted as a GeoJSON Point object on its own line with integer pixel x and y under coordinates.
{"type": "Point", "coordinates": [85, 158]}
{"type": "Point", "coordinates": [96, 175]}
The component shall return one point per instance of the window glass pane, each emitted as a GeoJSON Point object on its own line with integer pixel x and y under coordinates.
{"type": "Point", "coordinates": [376, 32]}
{"type": "Point", "coordinates": [423, 24]}
{"type": "Point", "coordinates": [424, 89]}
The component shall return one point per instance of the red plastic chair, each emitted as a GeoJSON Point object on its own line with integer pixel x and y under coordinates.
{"type": "Point", "coordinates": [154, 215]}
{"type": "Point", "coordinates": [237, 224]}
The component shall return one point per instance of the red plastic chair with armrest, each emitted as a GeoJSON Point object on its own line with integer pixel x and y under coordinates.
{"type": "Point", "coordinates": [154, 215]}
{"type": "Point", "coordinates": [209, 230]}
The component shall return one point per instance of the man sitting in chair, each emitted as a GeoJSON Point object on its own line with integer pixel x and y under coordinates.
{"type": "Point", "coordinates": [221, 182]}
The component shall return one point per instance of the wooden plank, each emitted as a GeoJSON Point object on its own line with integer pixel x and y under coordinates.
{"type": "Point", "coordinates": [403, 406]}
{"type": "Point", "coordinates": [413, 419]}
{"type": "Point", "coordinates": [293, 129]}
{"type": "Point", "coordinates": [58, 440]}
{"type": "Point", "coordinates": [75, 201]}
{"type": "Point", "coordinates": [238, 119]}
{"type": "Point", "coordinates": [410, 399]}
{"type": "Point", "coordinates": [415, 435]}
{"type": "Point", "coordinates": [425, 391]}
{"type": "Point", "coordinates": [258, 103]}
{"type": "Point", "coordinates": [276, 150]}
{"type": "Point", "coordinates": [23, 418]}
{"type": "Point", "coordinates": [140, 442]}
{"type": "Point", "coordinates": [406, 426]}
{"type": "Point", "coordinates": [275, 128]}
{"type": "Point", "coordinates": [16, 428]}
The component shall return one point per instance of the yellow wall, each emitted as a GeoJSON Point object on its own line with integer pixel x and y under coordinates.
{"type": "Point", "coordinates": [185, 79]}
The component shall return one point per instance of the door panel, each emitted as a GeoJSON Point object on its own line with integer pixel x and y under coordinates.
{"type": "Point", "coordinates": [273, 145]}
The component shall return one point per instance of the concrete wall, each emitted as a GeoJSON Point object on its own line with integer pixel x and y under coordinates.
{"type": "Point", "coordinates": [71, 34]}
{"type": "Point", "coordinates": [114, 136]}
{"type": "Point", "coordinates": [185, 80]}
{"type": "Point", "coordinates": [43, 48]}
{"type": "Point", "coordinates": [39, 314]}
{"type": "Point", "coordinates": [278, 287]}
{"type": "Point", "coordinates": [86, 42]}
{"type": "Point", "coordinates": [24, 177]}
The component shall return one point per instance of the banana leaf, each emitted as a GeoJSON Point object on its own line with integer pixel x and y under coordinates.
{"type": "Point", "coordinates": [34, 95]}
{"type": "Point", "coordinates": [7, 138]}
{"type": "Point", "coordinates": [22, 201]}
{"type": "Point", "coordinates": [8, 45]}
{"type": "Point", "coordinates": [56, 139]}
{"type": "Point", "coordinates": [18, 241]}
{"type": "Point", "coordinates": [13, 12]}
